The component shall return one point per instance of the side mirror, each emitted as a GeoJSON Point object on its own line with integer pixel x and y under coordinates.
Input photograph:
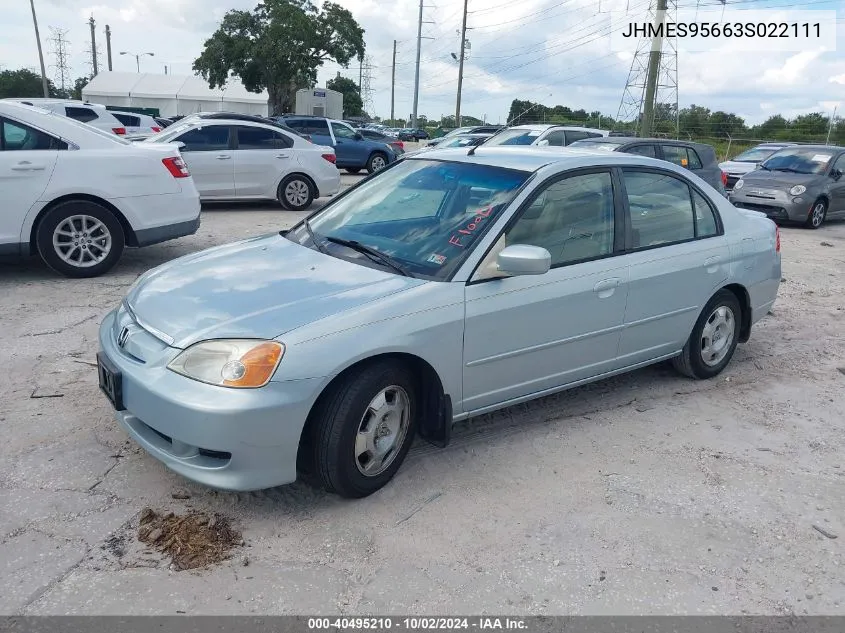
{"type": "Point", "coordinates": [836, 174]}
{"type": "Point", "coordinates": [522, 259]}
{"type": "Point", "coordinates": [543, 143]}
{"type": "Point", "coordinates": [359, 136]}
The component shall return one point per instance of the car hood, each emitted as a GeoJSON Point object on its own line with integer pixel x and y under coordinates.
{"type": "Point", "coordinates": [780, 179]}
{"type": "Point", "coordinates": [737, 167]}
{"type": "Point", "coordinates": [257, 288]}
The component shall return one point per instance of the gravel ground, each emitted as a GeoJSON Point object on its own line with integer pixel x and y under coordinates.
{"type": "Point", "coordinates": [646, 493]}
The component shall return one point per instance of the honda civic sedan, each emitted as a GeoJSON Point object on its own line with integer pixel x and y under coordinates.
{"type": "Point", "coordinates": [445, 286]}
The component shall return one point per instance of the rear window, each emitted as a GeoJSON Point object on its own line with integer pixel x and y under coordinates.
{"type": "Point", "coordinates": [83, 115]}
{"type": "Point", "coordinates": [515, 137]}
{"type": "Point", "coordinates": [127, 119]}
{"type": "Point", "coordinates": [683, 156]}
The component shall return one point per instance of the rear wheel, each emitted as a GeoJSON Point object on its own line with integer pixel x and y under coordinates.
{"type": "Point", "coordinates": [364, 428]}
{"type": "Point", "coordinates": [80, 238]}
{"type": "Point", "coordinates": [353, 170]}
{"type": "Point", "coordinates": [817, 215]}
{"type": "Point", "coordinates": [377, 161]}
{"type": "Point", "coordinates": [295, 193]}
{"type": "Point", "coordinates": [714, 338]}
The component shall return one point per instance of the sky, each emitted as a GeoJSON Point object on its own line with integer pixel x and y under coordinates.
{"type": "Point", "coordinates": [548, 51]}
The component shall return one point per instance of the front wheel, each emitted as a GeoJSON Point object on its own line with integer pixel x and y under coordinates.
{"type": "Point", "coordinates": [295, 193]}
{"type": "Point", "coordinates": [79, 238]}
{"type": "Point", "coordinates": [377, 161]}
{"type": "Point", "coordinates": [364, 428]}
{"type": "Point", "coordinates": [817, 215]}
{"type": "Point", "coordinates": [714, 338]}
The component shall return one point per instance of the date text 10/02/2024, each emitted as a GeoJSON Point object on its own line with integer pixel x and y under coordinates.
{"type": "Point", "coordinates": [417, 623]}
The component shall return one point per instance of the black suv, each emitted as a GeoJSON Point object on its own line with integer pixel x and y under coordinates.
{"type": "Point", "coordinates": [697, 157]}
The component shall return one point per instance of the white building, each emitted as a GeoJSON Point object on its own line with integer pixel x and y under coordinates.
{"type": "Point", "coordinates": [172, 94]}
{"type": "Point", "coordinates": [319, 102]}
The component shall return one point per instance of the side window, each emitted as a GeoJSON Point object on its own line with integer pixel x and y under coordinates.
{"type": "Point", "coordinates": [575, 135]}
{"type": "Point", "coordinates": [594, 135]}
{"type": "Point", "coordinates": [642, 150]}
{"type": "Point", "coordinates": [296, 124]}
{"type": "Point", "coordinates": [256, 138]}
{"type": "Point", "coordinates": [705, 221]}
{"type": "Point", "coordinates": [661, 209]}
{"type": "Point", "coordinates": [682, 156]}
{"type": "Point", "coordinates": [840, 163]}
{"type": "Point", "coordinates": [572, 219]}
{"type": "Point", "coordinates": [210, 138]}
{"type": "Point", "coordinates": [342, 131]}
{"type": "Point", "coordinates": [556, 138]}
{"type": "Point", "coordinates": [81, 114]}
{"type": "Point", "coordinates": [19, 137]}
{"type": "Point", "coordinates": [318, 126]}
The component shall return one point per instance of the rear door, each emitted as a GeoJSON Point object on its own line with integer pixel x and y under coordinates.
{"type": "Point", "coordinates": [837, 189]}
{"type": "Point", "coordinates": [641, 149]}
{"type": "Point", "coordinates": [210, 158]}
{"type": "Point", "coordinates": [27, 159]}
{"type": "Point", "coordinates": [678, 257]}
{"type": "Point", "coordinates": [262, 155]}
{"type": "Point", "coordinates": [349, 150]}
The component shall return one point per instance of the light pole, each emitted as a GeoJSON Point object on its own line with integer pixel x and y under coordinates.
{"type": "Point", "coordinates": [44, 85]}
{"type": "Point", "coordinates": [137, 58]}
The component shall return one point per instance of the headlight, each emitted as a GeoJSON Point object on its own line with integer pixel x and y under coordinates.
{"type": "Point", "coordinates": [739, 184]}
{"type": "Point", "coordinates": [797, 190]}
{"type": "Point", "coordinates": [240, 363]}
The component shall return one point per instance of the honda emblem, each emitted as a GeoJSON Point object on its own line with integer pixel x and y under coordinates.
{"type": "Point", "coordinates": [121, 338]}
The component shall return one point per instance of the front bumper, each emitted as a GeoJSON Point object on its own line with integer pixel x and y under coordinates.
{"type": "Point", "coordinates": [232, 439]}
{"type": "Point", "coordinates": [777, 205]}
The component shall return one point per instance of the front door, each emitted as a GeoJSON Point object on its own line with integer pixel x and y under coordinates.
{"type": "Point", "coordinates": [678, 259]}
{"type": "Point", "coordinates": [210, 159]}
{"type": "Point", "coordinates": [837, 190]}
{"type": "Point", "coordinates": [261, 157]}
{"type": "Point", "coordinates": [27, 159]}
{"type": "Point", "coordinates": [349, 150]}
{"type": "Point", "coordinates": [527, 334]}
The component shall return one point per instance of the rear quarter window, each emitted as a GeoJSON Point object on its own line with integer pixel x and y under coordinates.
{"type": "Point", "coordinates": [81, 114]}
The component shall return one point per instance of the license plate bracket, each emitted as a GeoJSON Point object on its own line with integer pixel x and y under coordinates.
{"type": "Point", "coordinates": [111, 381]}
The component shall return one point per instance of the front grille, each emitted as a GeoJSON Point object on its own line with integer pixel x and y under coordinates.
{"type": "Point", "coordinates": [776, 212]}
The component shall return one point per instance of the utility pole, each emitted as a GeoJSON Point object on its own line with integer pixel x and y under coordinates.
{"type": "Point", "coordinates": [830, 126]}
{"type": "Point", "coordinates": [417, 72]}
{"type": "Point", "coordinates": [461, 66]}
{"type": "Point", "coordinates": [44, 85]}
{"type": "Point", "coordinates": [60, 53]}
{"type": "Point", "coordinates": [93, 25]}
{"type": "Point", "coordinates": [393, 83]}
{"type": "Point", "coordinates": [165, 69]}
{"type": "Point", "coordinates": [108, 45]}
{"type": "Point", "coordinates": [653, 70]}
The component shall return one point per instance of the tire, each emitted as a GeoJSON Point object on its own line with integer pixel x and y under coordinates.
{"type": "Point", "coordinates": [61, 230]}
{"type": "Point", "coordinates": [353, 170]}
{"type": "Point", "coordinates": [295, 193]}
{"type": "Point", "coordinates": [346, 429]}
{"type": "Point", "coordinates": [701, 360]}
{"type": "Point", "coordinates": [817, 215]}
{"type": "Point", "coordinates": [377, 161]}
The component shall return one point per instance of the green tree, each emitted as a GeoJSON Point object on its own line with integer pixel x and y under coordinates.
{"type": "Point", "coordinates": [771, 127]}
{"type": "Point", "coordinates": [279, 46]}
{"type": "Point", "coordinates": [694, 121]}
{"type": "Point", "coordinates": [813, 124]}
{"type": "Point", "coordinates": [22, 83]}
{"type": "Point", "coordinates": [723, 124]}
{"type": "Point", "coordinates": [78, 85]}
{"type": "Point", "coordinates": [352, 104]}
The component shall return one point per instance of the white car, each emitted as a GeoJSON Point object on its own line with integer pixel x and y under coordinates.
{"type": "Point", "coordinates": [543, 134]}
{"type": "Point", "coordinates": [136, 123]}
{"type": "Point", "coordinates": [77, 195]}
{"type": "Point", "coordinates": [233, 159]}
{"type": "Point", "coordinates": [93, 114]}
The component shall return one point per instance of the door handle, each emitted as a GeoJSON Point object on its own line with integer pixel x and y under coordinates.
{"type": "Point", "coordinates": [711, 264]}
{"type": "Point", "coordinates": [27, 166]}
{"type": "Point", "coordinates": [606, 287]}
{"type": "Point", "coordinates": [223, 157]}
{"type": "Point", "coordinates": [282, 155]}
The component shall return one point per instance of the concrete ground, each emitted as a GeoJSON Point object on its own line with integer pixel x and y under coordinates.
{"type": "Point", "coordinates": [646, 493]}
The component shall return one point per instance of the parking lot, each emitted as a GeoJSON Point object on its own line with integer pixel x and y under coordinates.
{"type": "Point", "coordinates": [646, 493]}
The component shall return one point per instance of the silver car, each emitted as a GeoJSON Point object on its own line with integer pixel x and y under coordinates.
{"type": "Point", "coordinates": [747, 161]}
{"type": "Point", "coordinates": [445, 286]}
{"type": "Point", "coordinates": [797, 184]}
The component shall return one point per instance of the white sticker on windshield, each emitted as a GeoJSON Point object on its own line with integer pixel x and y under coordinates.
{"type": "Point", "coordinates": [821, 158]}
{"type": "Point", "coordinates": [534, 133]}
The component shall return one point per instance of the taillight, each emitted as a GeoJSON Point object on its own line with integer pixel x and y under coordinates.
{"type": "Point", "coordinates": [176, 166]}
{"type": "Point", "coordinates": [724, 179]}
{"type": "Point", "coordinates": [156, 129]}
{"type": "Point", "coordinates": [400, 144]}
{"type": "Point", "coordinates": [777, 239]}
{"type": "Point", "coordinates": [330, 157]}
{"type": "Point", "coordinates": [119, 130]}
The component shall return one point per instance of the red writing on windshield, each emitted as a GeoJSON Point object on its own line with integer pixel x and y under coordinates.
{"type": "Point", "coordinates": [469, 229]}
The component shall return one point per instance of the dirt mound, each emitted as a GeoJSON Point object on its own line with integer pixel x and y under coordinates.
{"type": "Point", "coordinates": [193, 540]}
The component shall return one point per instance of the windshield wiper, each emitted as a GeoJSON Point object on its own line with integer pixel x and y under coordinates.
{"type": "Point", "coordinates": [372, 253]}
{"type": "Point", "coordinates": [313, 236]}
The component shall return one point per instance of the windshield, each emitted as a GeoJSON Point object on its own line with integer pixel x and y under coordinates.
{"type": "Point", "coordinates": [425, 215]}
{"type": "Point", "coordinates": [755, 155]}
{"type": "Point", "coordinates": [515, 136]}
{"type": "Point", "coordinates": [799, 160]}
{"type": "Point", "coordinates": [608, 147]}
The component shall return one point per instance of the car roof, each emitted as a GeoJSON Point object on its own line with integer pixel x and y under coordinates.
{"type": "Point", "coordinates": [816, 146]}
{"type": "Point", "coordinates": [58, 125]}
{"type": "Point", "coordinates": [549, 126]}
{"type": "Point", "coordinates": [530, 158]}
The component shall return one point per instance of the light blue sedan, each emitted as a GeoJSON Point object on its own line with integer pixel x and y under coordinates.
{"type": "Point", "coordinates": [443, 287]}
